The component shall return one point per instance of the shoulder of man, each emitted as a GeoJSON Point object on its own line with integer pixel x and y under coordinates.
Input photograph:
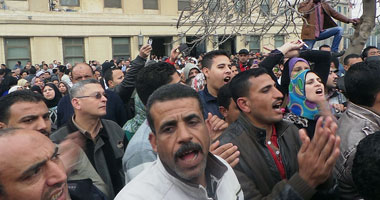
{"type": "Point", "coordinates": [59, 135]}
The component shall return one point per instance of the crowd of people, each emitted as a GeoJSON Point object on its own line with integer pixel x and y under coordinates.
{"type": "Point", "coordinates": [294, 123]}
{"type": "Point", "coordinates": [290, 124]}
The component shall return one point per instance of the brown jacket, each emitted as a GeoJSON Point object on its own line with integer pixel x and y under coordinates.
{"type": "Point", "coordinates": [307, 8]}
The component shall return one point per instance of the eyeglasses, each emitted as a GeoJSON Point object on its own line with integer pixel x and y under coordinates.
{"type": "Point", "coordinates": [334, 71]}
{"type": "Point", "coordinates": [97, 95]}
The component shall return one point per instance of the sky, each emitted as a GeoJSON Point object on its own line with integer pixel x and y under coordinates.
{"type": "Point", "coordinates": [357, 8]}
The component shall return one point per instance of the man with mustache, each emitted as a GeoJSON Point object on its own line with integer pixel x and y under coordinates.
{"type": "Point", "coordinates": [275, 161]}
{"type": "Point", "coordinates": [184, 169]}
{"type": "Point", "coordinates": [38, 174]}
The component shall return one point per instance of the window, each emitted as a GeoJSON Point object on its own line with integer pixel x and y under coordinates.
{"type": "Point", "coordinates": [345, 10]}
{"type": "Point", "coordinates": [112, 3]}
{"type": "Point", "coordinates": [339, 9]}
{"type": "Point", "coordinates": [278, 41]}
{"type": "Point", "coordinates": [16, 49]}
{"type": "Point", "coordinates": [69, 2]}
{"type": "Point", "coordinates": [121, 48]}
{"type": "Point", "coordinates": [184, 5]}
{"type": "Point", "coordinates": [150, 4]}
{"type": "Point", "coordinates": [254, 44]}
{"type": "Point", "coordinates": [265, 7]}
{"type": "Point", "coordinates": [73, 50]}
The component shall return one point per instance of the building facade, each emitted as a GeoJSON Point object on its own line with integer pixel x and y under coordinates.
{"type": "Point", "coordinates": [74, 31]}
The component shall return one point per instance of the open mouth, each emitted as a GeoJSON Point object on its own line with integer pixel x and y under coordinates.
{"type": "Point", "coordinates": [277, 105]}
{"type": "Point", "coordinates": [58, 195]}
{"type": "Point", "coordinates": [227, 79]}
{"type": "Point", "coordinates": [189, 155]}
{"type": "Point", "coordinates": [319, 91]}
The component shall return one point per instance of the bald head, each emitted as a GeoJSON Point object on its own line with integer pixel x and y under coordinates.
{"type": "Point", "coordinates": [81, 71]}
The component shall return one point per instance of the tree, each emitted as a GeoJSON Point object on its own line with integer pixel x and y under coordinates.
{"type": "Point", "coordinates": [206, 18]}
{"type": "Point", "coordinates": [364, 28]}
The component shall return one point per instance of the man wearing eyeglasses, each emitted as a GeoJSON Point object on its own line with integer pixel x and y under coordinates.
{"type": "Point", "coordinates": [102, 139]}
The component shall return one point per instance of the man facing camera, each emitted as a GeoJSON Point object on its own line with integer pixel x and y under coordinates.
{"type": "Point", "coordinates": [184, 169]}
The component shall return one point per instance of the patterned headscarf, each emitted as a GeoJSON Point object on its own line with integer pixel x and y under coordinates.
{"type": "Point", "coordinates": [298, 104]}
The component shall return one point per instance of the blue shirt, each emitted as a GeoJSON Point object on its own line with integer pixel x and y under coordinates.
{"type": "Point", "coordinates": [209, 103]}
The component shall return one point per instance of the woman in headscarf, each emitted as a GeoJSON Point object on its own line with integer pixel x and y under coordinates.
{"type": "Point", "coordinates": [298, 61]}
{"type": "Point", "coordinates": [306, 100]}
{"type": "Point", "coordinates": [52, 97]}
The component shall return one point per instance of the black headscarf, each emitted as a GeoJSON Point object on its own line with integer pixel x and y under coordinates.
{"type": "Point", "coordinates": [53, 102]}
{"type": "Point", "coordinates": [36, 88]}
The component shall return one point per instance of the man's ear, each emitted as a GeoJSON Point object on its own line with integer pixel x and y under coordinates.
{"type": "Point", "coordinates": [152, 140]}
{"type": "Point", "coordinates": [76, 103]}
{"type": "Point", "coordinates": [3, 125]}
{"type": "Point", "coordinates": [345, 67]}
{"type": "Point", "coordinates": [110, 83]}
{"type": "Point", "coordinates": [376, 105]}
{"type": "Point", "coordinates": [205, 71]}
{"type": "Point", "coordinates": [244, 104]}
{"type": "Point", "coordinates": [224, 111]}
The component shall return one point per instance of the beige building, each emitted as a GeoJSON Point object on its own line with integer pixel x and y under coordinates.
{"type": "Point", "coordinates": [82, 30]}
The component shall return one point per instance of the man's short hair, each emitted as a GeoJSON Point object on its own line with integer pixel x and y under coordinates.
{"type": "Point", "coordinates": [348, 57]}
{"type": "Point", "coordinates": [239, 85]}
{"type": "Point", "coordinates": [224, 96]}
{"type": "Point", "coordinates": [207, 58]}
{"type": "Point", "coordinates": [365, 51]}
{"type": "Point", "coordinates": [362, 83]}
{"type": "Point", "coordinates": [167, 93]}
{"type": "Point", "coordinates": [324, 46]}
{"type": "Point", "coordinates": [152, 77]}
{"type": "Point", "coordinates": [108, 74]}
{"type": "Point", "coordinates": [78, 87]}
{"type": "Point", "coordinates": [18, 96]}
{"type": "Point", "coordinates": [32, 70]}
{"type": "Point", "coordinates": [335, 60]}
{"type": "Point", "coordinates": [366, 167]}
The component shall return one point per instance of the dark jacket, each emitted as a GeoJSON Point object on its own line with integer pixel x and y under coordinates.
{"type": "Point", "coordinates": [127, 86]}
{"type": "Point", "coordinates": [307, 8]}
{"type": "Point", "coordinates": [115, 109]}
{"type": "Point", "coordinates": [209, 103]}
{"type": "Point", "coordinates": [105, 155]}
{"type": "Point", "coordinates": [257, 171]}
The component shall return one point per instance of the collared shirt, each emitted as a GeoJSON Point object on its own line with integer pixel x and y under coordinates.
{"type": "Point", "coordinates": [86, 133]}
{"type": "Point", "coordinates": [101, 151]}
{"type": "Point", "coordinates": [209, 103]}
{"type": "Point", "coordinates": [163, 183]}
